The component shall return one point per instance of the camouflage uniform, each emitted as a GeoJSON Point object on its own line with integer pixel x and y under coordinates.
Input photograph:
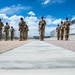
{"type": "Point", "coordinates": [12, 33]}
{"type": "Point", "coordinates": [6, 31]}
{"type": "Point", "coordinates": [42, 24]}
{"type": "Point", "coordinates": [26, 31]}
{"type": "Point", "coordinates": [58, 32]}
{"type": "Point", "coordinates": [21, 29]}
{"type": "Point", "coordinates": [62, 30]}
{"type": "Point", "coordinates": [1, 25]}
{"type": "Point", "coordinates": [67, 28]}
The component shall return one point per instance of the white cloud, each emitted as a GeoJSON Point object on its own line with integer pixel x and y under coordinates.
{"type": "Point", "coordinates": [49, 20]}
{"type": "Point", "coordinates": [3, 16]}
{"type": "Point", "coordinates": [53, 1]}
{"type": "Point", "coordinates": [15, 18]}
{"type": "Point", "coordinates": [14, 9]}
{"type": "Point", "coordinates": [31, 13]}
{"type": "Point", "coordinates": [73, 18]}
{"type": "Point", "coordinates": [32, 22]}
{"type": "Point", "coordinates": [48, 30]}
{"type": "Point", "coordinates": [46, 2]}
{"type": "Point", "coordinates": [52, 21]}
{"type": "Point", "coordinates": [57, 21]}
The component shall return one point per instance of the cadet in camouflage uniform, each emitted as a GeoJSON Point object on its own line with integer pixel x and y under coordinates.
{"type": "Point", "coordinates": [12, 33]}
{"type": "Point", "coordinates": [58, 32]}
{"type": "Point", "coordinates": [6, 31]}
{"type": "Point", "coordinates": [42, 24]}
{"type": "Point", "coordinates": [22, 29]}
{"type": "Point", "coordinates": [67, 28]}
{"type": "Point", "coordinates": [26, 31]}
{"type": "Point", "coordinates": [1, 25]}
{"type": "Point", "coordinates": [62, 30]}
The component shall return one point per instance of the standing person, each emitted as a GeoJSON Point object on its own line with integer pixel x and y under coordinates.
{"type": "Point", "coordinates": [12, 33]}
{"type": "Point", "coordinates": [6, 30]}
{"type": "Point", "coordinates": [21, 29]}
{"type": "Point", "coordinates": [1, 25]}
{"type": "Point", "coordinates": [62, 30]}
{"type": "Point", "coordinates": [67, 28]}
{"type": "Point", "coordinates": [58, 32]}
{"type": "Point", "coordinates": [27, 31]}
{"type": "Point", "coordinates": [42, 24]}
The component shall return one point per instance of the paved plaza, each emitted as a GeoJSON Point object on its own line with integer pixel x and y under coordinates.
{"type": "Point", "coordinates": [38, 55]}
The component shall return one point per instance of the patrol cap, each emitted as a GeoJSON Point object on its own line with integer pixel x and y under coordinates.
{"type": "Point", "coordinates": [61, 21]}
{"type": "Point", "coordinates": [21, 18]}
{"type": "Point", "coordinates": [66, 18]}
{"type": "Point", "coordinates": [0, 19]}
{"type": "Point", "coordinates": [42, 17]}
{"type": "Point", "coordinates": [6, 22]}
{"type": "Point", "coordinates": [58, 25]}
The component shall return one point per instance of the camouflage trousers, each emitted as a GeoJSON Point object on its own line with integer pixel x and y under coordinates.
{"type": "Point", "coordinates": [62, 34]}
{"type": "Point", "coordinates": [22, 35]}
{"type": "Point", "coordinates": [41, 33]}
{"type": "Point", "coordinates": [26, 36]}
{"type": "Point", "coordinates": [7, 35]}
{"type": "Point", "coordinates": [58, 35]}
{"type": "Point", "coordinates": [12, 36]}
{"type": "Point", "coordinates": [66, 34]}
{"type": "Point", "coordinates": [0, 34]}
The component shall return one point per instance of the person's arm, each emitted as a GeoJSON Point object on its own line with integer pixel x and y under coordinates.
{"type": "Point", "coordinates": [45, 22]}
{"type": "Point", "coordinates": [2, 24]}
{"type": "Point", "coordinates": [69, 23]}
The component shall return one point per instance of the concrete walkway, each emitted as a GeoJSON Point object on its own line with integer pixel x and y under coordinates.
{"type": "Point", "coordinates": [37, 55]}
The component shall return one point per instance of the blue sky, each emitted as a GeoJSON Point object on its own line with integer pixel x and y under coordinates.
{"type": "Point", "coordinates": [54, 12]}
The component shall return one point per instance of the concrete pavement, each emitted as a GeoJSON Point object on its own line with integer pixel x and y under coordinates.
{"type": "Point", "coordinates": [39, 72]}
{"type": "Point", "coordinates": [37, 55]}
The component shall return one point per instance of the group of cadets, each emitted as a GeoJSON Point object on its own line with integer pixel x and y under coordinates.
{"type": "Point", "coordinates": [23, 28]}
{"type": "Point", "coordinates": [6, 31]}
{"type": "Point", "coordinates": [63, 30]}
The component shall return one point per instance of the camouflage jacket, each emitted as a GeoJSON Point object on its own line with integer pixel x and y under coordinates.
{"type": "Point", "coordinates": [58, 29]}
{"type": "Point", "coordinates": [67, 24]}
{"type": "Point", "coordinates": [12, 30]}
{"type": "Point", "coordinates": [6, 28]}
{"type": "Point", "coordinates": [62, 26]}
{"type": "Point", "coordinates": [26, 27]}
{"type": "Point", "coordinates": [21, 25]}
{"type": "Point", "coordinates": [42, 24]}
{"type": "Point", "coordinates": [1, 25]}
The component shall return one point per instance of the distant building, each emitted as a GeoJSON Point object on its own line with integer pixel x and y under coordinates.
{"type": "Point", "coordinates": [53, 33]}
{"type": "Point", "coordinates": [3, 36]}
{"type": "Point", "coordinates": [37, 37]}
{"type": "Point", "coordinates": [72, 27]}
